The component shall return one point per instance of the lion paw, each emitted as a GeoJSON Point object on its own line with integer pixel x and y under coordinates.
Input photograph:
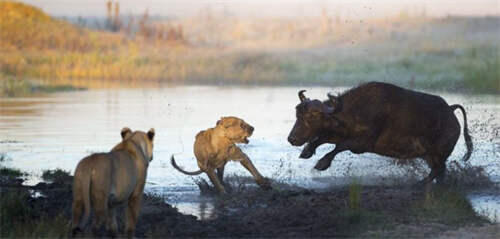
{"type": "Point", "coordinates": [265, 184]}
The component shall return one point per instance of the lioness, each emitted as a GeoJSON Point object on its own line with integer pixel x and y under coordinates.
{"type": "Point", "coordinates": [105, 180]}
{"type": "Point", "coordinates": [214, 147]}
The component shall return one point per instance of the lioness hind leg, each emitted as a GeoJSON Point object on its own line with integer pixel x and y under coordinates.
{"type": "Point", "coordinates": [77, 210]}
{"type": "Point", "coordinates": [215, 181]}
{"type": "Point", "coordinates": [101, 215]}
{"type": "Point", "coordinates": [132, 212]}
{"type": "Point", "coordinates": [111, 224]}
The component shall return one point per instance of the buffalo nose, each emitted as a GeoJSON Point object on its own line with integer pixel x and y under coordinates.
{"type": "Point", "coordinates": [251, 129]}
{"type": "Point", "coordinates": [291, 139]}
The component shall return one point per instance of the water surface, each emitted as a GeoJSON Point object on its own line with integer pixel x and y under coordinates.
{"type": "Point", "coordinates": [57, 130]}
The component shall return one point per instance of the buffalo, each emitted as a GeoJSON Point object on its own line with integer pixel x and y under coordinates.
{"type": "Point", "coordinates": [384, 119]}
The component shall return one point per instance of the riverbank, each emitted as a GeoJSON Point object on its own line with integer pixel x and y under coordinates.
{"type": "Point", "coordinates": [413, 52]}
{"type": "Point", "coordinates": [11, 87]}
{"type": "Point", "coordinates": [286, 211]}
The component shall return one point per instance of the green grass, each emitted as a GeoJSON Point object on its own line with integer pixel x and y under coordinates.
{"type": "Point", "coordinates": [482, 74]}
{"type": "Point", "coordinates": [448, 206]}
{"type": "Point", "coordinates": [12, 87]}
{"type": "Point", "coordinates": [10, 172]}
{"type": "Point", "coordinates": [355, 190]}
{"type": "Point", "coordinates": [57, 176]}
{"type": "Point", "coordinates": [19, 220]}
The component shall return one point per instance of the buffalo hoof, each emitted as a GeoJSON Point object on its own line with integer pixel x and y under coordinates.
{"type": "Point", "coordinates": [76, 232]}
{"type": "Point", "coordinates": [323, 164]}
{"type": "Point", "coordinates": [306, 154]}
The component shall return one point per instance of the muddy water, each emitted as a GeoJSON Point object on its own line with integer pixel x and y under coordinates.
{"type": "Point", "coordinates": [57, 130]}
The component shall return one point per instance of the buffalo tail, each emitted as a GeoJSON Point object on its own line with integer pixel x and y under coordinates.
{"type": "Point", "coordinates": [468, 139]}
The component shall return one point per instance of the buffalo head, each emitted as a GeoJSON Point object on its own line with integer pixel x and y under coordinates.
{"type": "Point", "coordinates": [312, 117]}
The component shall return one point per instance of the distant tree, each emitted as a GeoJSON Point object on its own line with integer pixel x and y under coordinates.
{"type": "Point", "coordinates": [113, 22]}
{"type": "Point", "coordinates": [116, 18]}
{"type": "Point", "coordinates": [325, 22]}
{"type": "Point", "coordinates": [144, 29]}
{"type": "Point", "coordinates": [109, 14]}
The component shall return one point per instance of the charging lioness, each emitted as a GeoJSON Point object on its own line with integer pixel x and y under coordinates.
{"type": "Point", "coordinates": [103, 181]}
{"type": "Point", "coordinates": [214, 147]}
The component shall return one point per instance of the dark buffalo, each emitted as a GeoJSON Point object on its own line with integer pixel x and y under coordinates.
{"type": "Point", "coordinates": [384, 119]}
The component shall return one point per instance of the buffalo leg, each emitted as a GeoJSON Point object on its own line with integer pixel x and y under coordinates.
{"type": "Point", "coordinates": [310, 149]}
{"type": "Point", "coordinates": [357, 146]}
{"type": "Point", "coordinates": [438, 170]}
{"type": "Point", "coordinates": [326, 161]}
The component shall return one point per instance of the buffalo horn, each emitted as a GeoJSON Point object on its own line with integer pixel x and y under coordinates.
{"type": "Point", "coordinates": [301, 95]}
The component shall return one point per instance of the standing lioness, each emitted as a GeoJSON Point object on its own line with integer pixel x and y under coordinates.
{"type": "Point", "coordinates": [105, 180]}
{"type": "Point", "coordinates": [214, 147]}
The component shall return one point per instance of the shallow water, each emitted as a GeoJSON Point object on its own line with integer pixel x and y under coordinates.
{"type": "Point", "coordinates": [57, 130]}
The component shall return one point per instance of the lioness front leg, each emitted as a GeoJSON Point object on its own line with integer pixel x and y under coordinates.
{"type": "Point", "coordinates": [215, 181]}
{"type": "Point", "coordinates": [261, 181]}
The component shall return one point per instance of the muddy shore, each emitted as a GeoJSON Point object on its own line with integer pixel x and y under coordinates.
{"type": "Point", "coordinates": [354, 210]}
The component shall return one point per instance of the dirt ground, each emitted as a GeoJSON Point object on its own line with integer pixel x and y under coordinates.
{"type": "Point", "coordinates": [286, 211]}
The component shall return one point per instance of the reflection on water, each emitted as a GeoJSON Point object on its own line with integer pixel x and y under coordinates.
{"type": "Point", "coordinates": [57, 130]}
{"type": "Point", "coordinates": [487, 205]}
{"type": "Point", "coordinates": [188, 201]}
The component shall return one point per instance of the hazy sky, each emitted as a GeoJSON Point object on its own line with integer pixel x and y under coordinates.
{"type": "Point", "coordinates": [350, 8]}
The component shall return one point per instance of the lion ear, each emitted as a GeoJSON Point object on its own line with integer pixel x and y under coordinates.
{"type": "Point", "coordinates": [125, 132]}
{"type": "Point", "coordinates": [151, 134]}
{"type": "Point", "coordinates": [219, 122]}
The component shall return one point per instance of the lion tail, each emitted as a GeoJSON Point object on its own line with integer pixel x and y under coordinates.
{"type": "Point", "coordinates": [81, 199]}
{"type": "Point", "coordinates": [172, 160]}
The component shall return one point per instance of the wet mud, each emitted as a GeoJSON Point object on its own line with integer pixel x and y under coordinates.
{"type": "Point", "coordinates": [289, 211]}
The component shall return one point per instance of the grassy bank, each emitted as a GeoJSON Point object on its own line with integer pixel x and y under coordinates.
{"type": "Point", "coordinates": [10, 87]}
{"type": "Point", "coordinates": [410, 51]}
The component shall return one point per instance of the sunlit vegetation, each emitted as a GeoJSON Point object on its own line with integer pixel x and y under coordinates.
{"type": "Point", "coordinates": [212, 48]}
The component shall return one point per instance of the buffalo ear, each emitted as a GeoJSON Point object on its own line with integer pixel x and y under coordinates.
{"type": "Point", "coordinates": [151, 134]}
{"type": "Point", "coordinates": [334, 101]}
{"type": "Point", "coordinates": [125, 132]}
